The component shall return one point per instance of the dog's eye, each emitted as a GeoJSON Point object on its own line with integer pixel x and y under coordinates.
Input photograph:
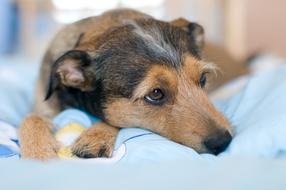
{"type": "Point", "coordinates": [203, 80]}
{"type": "Point", "coordinates": [155, 97]}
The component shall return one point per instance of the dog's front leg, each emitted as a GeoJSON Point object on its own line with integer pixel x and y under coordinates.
{"type": "Point", "coordinates": [97, 141]}
{"type": "Point", "coordinates": [36, 138]}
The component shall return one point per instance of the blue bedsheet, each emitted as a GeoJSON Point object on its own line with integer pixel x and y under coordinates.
{"type": "Point", "coordinates": [254, 159]}
{"type": "Point", "coordinates": [257, 113]}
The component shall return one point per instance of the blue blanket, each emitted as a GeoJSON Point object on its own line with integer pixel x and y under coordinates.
{"type": "Point", "coordinates": [149, 161]}
{"type": "Point", "coordinates": [257, 112]}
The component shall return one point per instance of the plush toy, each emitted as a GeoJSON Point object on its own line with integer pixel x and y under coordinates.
{"type": "Point", "coordinates": [69, 125]}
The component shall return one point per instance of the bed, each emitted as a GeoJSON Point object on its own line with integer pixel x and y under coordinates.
{"type": "Point", "coordinates": [256, 158]}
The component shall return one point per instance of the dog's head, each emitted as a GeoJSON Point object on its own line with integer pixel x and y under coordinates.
{"type": "Point", "coordinates": [148, 74]}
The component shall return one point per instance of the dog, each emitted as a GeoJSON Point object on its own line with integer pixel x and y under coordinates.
{"type": "Point", "coordinates": [129, 70]}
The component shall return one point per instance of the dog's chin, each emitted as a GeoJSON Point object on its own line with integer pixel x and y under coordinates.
{"type": "Point", "coordinates": [204, 150]}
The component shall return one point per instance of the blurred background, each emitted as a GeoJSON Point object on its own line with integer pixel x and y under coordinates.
{"type": "Point", "coordinates": [242, 27]}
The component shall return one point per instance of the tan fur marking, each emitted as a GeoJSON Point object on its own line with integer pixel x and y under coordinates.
{"type": "Point", "coordinates": [193, 68]}
{"type": "Point", "coordinates": [37, 141]}
{"type": "Point", "coordinates": [99, 139]}
{"type": "Point", "coordinates": [180, 22]}
{"type": "Point", "coordinates": [125, 114]}
{"type": "Point", "coordinates": [159, 76]}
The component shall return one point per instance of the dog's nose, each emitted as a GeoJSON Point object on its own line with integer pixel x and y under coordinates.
{"type": "Point", "coordinates": [218, 142]}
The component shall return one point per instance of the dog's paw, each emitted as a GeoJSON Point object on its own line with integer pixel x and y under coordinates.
{"type": "Point", "coordinates": [95, 142]}
{"type": "Point", "coordinates": [36, 139]}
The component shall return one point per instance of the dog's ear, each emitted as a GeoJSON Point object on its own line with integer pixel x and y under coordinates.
{"type": "Point", "coordinates": [194, 30]}
{"type": "Point", "coordinates": [71, 70]}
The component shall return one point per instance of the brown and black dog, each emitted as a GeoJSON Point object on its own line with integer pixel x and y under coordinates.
{"type": "Point", "coordinates": [129, 70]}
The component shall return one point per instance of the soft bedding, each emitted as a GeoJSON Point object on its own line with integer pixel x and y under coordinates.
{"type": "Point", "coordinates": [16, 96]}
{"type": "Point", "coordinates": [257, 111]}
{"type": "Point", "coordinates": [143, 160]}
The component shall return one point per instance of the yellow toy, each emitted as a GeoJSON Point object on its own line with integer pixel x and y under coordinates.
{"type": "Point", "coordinates": [69, 125]}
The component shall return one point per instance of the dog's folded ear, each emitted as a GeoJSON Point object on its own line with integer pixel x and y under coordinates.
{"type": "Point", "coordinates": [71, 70]}
{"type": "Point", "coordinates": [194, 30]}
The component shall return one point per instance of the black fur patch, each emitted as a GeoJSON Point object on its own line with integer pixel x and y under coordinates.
{"type": "Point", "coordinates": [122, 58]}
